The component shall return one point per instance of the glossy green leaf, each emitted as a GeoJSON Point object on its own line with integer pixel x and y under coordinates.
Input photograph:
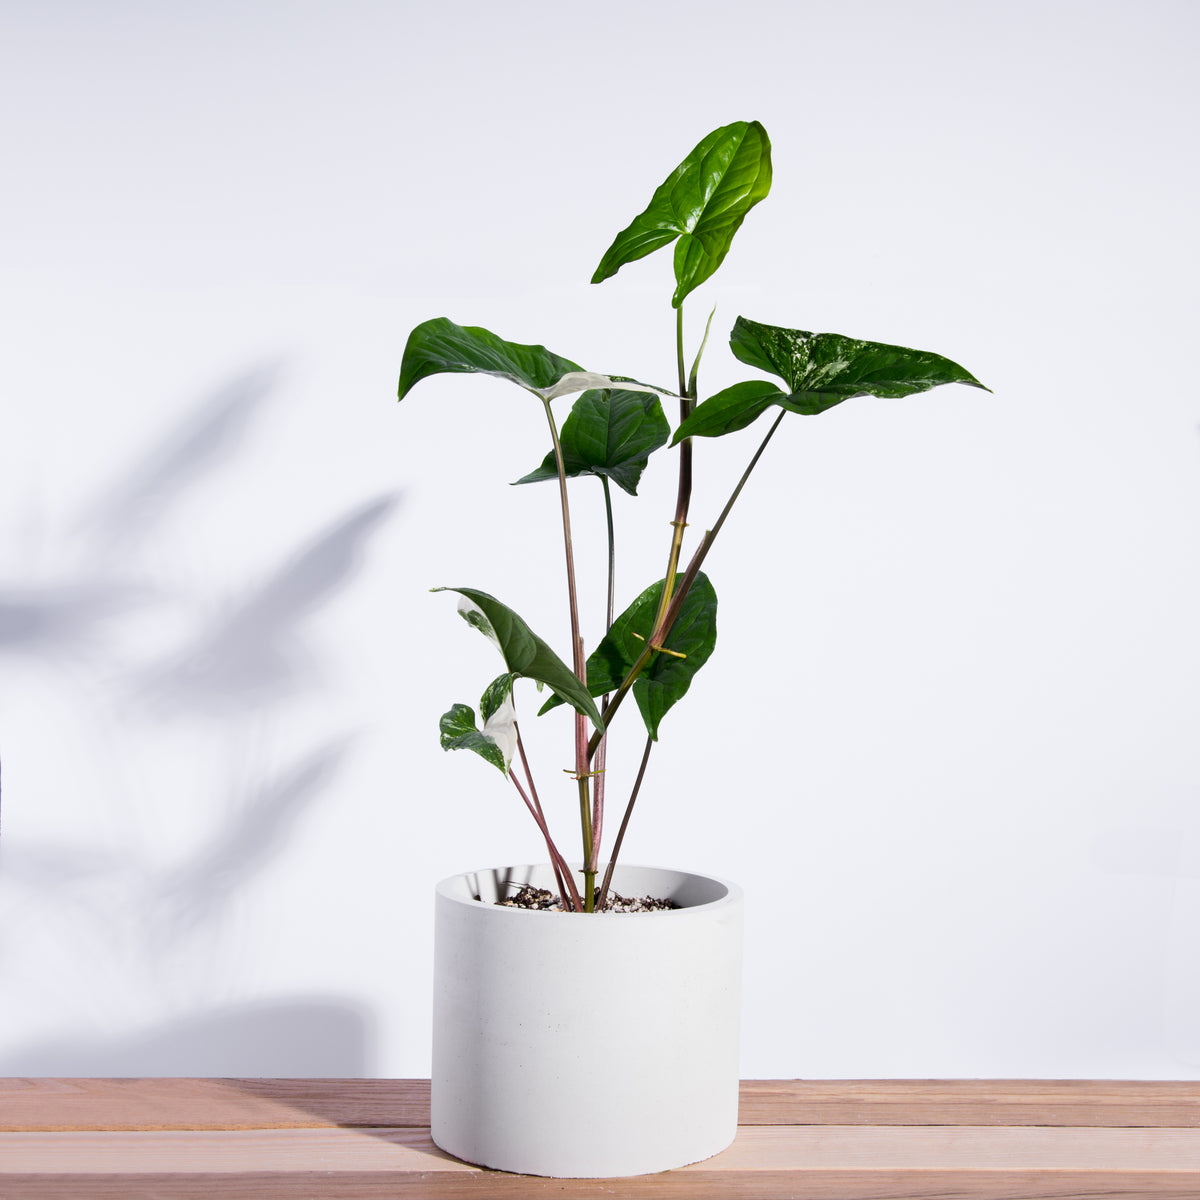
{"type": "Point", "coordinates": [823, 369]}
{"type": "Point", "coordinates": [702, 203]}
{"type": "Point", "coordinates": [730, 410]}
{"type": "Point", "coordinates": [666, 678]}
{"type": "Point", "coordinates": [439, 346]}
{"type": "Point", "coordinates": [608, 432]}
{"type": "Point", "coordinates": [459, 732]}
{"type": "Point", "coordinates": [524, 653]}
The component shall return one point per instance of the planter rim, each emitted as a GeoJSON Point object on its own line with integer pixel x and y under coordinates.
{"type": "Point", "coordinates": [446, 888]}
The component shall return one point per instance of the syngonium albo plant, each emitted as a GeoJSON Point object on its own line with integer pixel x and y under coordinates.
{"type": "Point", "coordinates": [656, 645]}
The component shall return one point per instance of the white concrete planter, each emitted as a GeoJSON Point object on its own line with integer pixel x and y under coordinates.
{"type": "Point", "coordinates": [586, 1045]}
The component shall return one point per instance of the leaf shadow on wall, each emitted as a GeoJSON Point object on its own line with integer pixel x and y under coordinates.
{"type": "Point", "coordinates": [142, 934]}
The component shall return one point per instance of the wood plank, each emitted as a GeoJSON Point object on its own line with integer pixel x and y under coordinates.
{"type": "Point", "coordinates": [853, 1185]}
{"type": "Point", "coordinates": [300, 1103]}
{"type": "Point", "coordinates": [374, 1102]}
{"type": "Point", "coordinates": [220, 1153]}
{"type": "Point", "coordinates": [768, 1148]}
{"type": "Point", "coordinates": [970, 1102]}
{"type": "Point", "coordinates": [291, 1139]}
{"type": "Point", "coordinates": [80, 1104]}
{"type": "Point", "coordinates": [766, 1185]}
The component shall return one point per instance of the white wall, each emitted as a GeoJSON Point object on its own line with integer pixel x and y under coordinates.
{"type": "Point", "coordinates": [948, 740]}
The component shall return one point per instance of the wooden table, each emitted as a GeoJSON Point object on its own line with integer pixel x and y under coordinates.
{"type": "Point", "coordinates": [330, 1139]}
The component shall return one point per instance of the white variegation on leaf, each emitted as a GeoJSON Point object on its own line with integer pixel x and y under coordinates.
{"type": "Point", "coordinates": [501, 728]}
{"type": "Point", "coordinates": [477, 618]}
{"type": "Point", "coordinates": [584, 381]}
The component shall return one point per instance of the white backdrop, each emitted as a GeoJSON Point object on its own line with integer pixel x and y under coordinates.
{"type": "Point", "coordinates": [948, 739]}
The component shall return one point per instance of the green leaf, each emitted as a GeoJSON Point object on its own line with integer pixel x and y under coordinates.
{"type": "Point", "coordinates": [459, 732]}
{"type": "Point", "coordinates": [666, 678]}
{"type": "Point", "coordinates": [730, 410]}
{"type": "Point", "coordinates": [703, 203]}
{"type": "Point", "coordinates": [440, 346]}
{"type": "Point", "coordinates": [823, 369]}
{"type": "Point", "coordinates": [608, 432]}
{"type": "Point", "coordinates": [525, 653]}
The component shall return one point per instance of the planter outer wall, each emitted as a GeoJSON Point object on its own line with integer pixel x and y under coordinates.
{"type": "Point", "coordinates": [577, 1045]}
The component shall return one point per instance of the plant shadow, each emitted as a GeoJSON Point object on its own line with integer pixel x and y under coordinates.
{"type": "Point", "coordinates": [119, 922]}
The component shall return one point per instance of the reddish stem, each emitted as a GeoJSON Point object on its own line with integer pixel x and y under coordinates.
{"type": "Point", "coordinates": [567, 891]}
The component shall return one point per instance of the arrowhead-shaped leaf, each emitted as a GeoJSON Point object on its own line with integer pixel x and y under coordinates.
{"type": "Point", "coordinates": [730, 410]}
{"type": "Point", "coordinates": [525, 653]}
{"type": "Point", "coordinates": [459, 732]}
{"type": "Point", "coordinates": [440, 346]}
{"type": "Point", "coordinates": [666, 678]}
{"type": "Point", "coordinates": [609, 432]}
{"type": "Point", "coordinates": [703, 203]}
{"type": "Point", "coordinates": [823, 369]}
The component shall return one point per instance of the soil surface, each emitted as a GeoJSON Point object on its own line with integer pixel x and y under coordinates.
{"type": "Point", "coordinates": [540, 898]}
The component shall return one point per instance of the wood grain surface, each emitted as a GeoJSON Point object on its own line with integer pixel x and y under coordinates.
{"type": "Point", "coordinates": [816, 1140]}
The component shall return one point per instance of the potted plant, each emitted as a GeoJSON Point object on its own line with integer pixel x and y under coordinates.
{"type": "Point", "coordinates": [542, 1063]}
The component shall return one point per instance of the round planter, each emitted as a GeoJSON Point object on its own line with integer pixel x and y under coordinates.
{"type": "Point", "coordinates": [586, 1045]}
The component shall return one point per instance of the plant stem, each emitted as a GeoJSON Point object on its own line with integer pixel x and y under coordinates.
{"type": "Point", "coordinates": [610, 609]}
{"type": "Point", "coordinates": [663, 626]}
{"type": "Point", "coordinates": [637, 786]}
{"type": "Point", "coordinates": [679, 364]}
{"type": "Point", "coordinates": [572, 598]}
{"type": "Point", "coordinates": [566, 884]}
{"type": "Point", "coordinates": [684, 494]}
{"type": "Point", "coordinates": [535, 811]}
{"type": "Point", "coordinates": [620, 694]}
{"type": "Point", "coordinates": [579, 665]}
{"type": "Point", "coordinates": [562, 873]}
{"type": "Point", "coordinates": [687, 396]}
{"type": "Point", "coordinates": [710, 536]}
{"type": "Point", "coordinates": [585, 812]}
